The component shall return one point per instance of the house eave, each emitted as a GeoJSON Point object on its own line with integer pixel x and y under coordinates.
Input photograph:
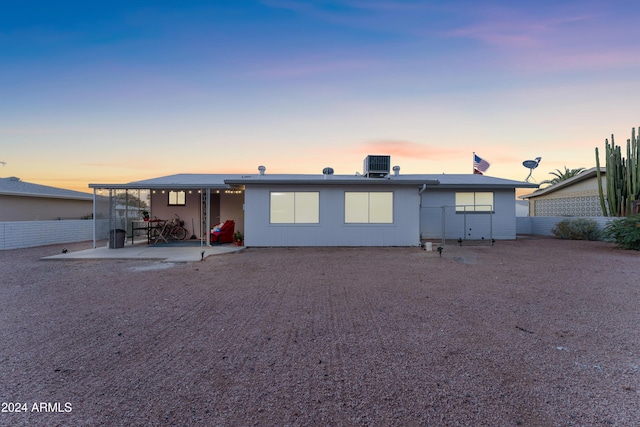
{"type": "Point", "coordinates": [330, 181]}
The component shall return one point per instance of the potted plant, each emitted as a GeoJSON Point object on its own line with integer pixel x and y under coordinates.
{"type": "Point", "coordinates": [238, 238]}
{"type": "Point", "coordinates": [145, 215]}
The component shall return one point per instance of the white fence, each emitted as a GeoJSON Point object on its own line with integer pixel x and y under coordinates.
{"type": "Point", "coordinates": [26, 234]}
{"type": "Point", "coordinates": [542, 225]}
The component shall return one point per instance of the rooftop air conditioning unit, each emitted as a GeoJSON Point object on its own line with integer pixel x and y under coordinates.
{"type": "Point", "coordinates": [377, 166]}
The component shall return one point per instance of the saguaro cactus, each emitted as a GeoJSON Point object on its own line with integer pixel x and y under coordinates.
{"type": "Point", "coordinates": [623, 177]}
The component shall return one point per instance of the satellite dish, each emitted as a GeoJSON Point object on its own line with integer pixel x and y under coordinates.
{"type": "Point", "coordinates": [531, 165]}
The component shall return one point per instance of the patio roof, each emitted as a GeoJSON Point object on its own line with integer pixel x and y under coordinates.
{"type": "Point", "coordinates": [179, 182]}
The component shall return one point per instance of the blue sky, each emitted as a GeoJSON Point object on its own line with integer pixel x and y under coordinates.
{"type": "Point", "coordinates": [115, 91]}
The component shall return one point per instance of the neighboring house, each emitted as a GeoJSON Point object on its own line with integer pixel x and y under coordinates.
{"type": "Point", "coordinates": [23, 201]}
{"type": "Point", "coordinates": [376, 208]}
{"type": "Point", "coordinates": [576, 196]}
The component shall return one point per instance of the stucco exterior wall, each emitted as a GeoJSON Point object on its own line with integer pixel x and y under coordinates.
{"type": "Point", "coordinates": [501, 225]}
{"type": "Point", "coordinates": [332, 229]}
{"type": "Point", "coordinates": [24, 208]}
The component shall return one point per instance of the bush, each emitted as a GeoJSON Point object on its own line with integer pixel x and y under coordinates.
{"type": "Point", "coordinates": [577, 229]}
{"type": "Point", "coordinates": [624, 232]}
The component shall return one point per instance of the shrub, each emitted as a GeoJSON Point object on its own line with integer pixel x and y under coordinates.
{"type": "Point", "coordinates": [577, 229]}
{"type": "Point", "coordinates": [624, 232]}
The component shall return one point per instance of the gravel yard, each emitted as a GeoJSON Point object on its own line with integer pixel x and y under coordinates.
{"type": "Point", "coordinates": [533, 332]}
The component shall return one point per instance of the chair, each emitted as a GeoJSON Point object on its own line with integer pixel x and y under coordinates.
{"type": "Point", "coordinates": [225, 233]}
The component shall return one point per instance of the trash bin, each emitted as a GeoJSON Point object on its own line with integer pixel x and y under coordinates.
{"type": "Point", "coordinates": [116, 238]}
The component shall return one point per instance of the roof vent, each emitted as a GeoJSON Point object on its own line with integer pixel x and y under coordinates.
{"type": "Point", "coordinates": [262, 169]}
{"type": "Point", "coordinates": [327, 171]}
{"type": "Point", "coordinates": [377, 166]}
{"type": "Point", "coordinates": [396, 170]}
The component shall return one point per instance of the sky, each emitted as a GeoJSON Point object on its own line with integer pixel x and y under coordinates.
{"type": "Point", "coordinates": [118, 91]}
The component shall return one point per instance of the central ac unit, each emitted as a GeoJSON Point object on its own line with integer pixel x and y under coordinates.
{"type": "Point", "coordinates": [377, 166]}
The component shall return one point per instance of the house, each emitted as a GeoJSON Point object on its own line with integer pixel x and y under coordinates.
{"type": "Point", "coordinates": [576, 196]}
{"type": "Point", "coordinates": [24, 201]}
{"type": "Point", "coordinates": [376, 208]}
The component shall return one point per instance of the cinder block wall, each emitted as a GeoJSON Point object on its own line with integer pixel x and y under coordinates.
{"type": "Point", "coordinates": [26, 234]}
{"type": "Point", "coordinates": [542, 225]}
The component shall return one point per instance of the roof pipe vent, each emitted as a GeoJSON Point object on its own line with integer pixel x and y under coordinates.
{"type": "Point", "coordinates": [396, 170]}
{"type": "Point", "coordinates": [262, 169]}
{"type": "Point", "coordinates": [327, 171]}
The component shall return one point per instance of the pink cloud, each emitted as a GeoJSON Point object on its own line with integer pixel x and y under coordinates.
{"type": "Point", "coordinates": [409, 149]}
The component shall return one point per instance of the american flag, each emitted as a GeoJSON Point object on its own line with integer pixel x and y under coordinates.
{"type": "Point", "coordinates": [480, 165]}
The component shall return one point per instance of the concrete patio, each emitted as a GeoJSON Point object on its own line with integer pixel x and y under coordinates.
{"type": "Point", "coordinates": [143, 251]}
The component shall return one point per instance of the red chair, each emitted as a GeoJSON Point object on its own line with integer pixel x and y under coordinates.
{"type": "Point", "coordinates": [225, 234]}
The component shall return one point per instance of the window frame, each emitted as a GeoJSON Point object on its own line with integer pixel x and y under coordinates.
{"type": "Point", "coordinates": [177, 201]}
{"type": "Point", "coordinates": [477, 207]}
{"type": "Point", "coordinates": [354, 214]}
{"type": "Point", "coordinates": [297, 206]}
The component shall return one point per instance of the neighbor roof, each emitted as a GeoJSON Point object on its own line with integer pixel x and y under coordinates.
{"type": "Point", "coordinates": [13, 186]}
{"type": "Point", "coordinates": [584, 175]}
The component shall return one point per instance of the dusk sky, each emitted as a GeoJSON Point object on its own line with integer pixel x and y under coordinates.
{"type": "Point", "coordinates": [117, 91]}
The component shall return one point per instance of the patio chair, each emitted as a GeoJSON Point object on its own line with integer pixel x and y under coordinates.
{"type": "Point", "coordinates": [224, 234]}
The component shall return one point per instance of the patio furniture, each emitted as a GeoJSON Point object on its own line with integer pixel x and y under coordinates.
{"type": "Point", "coordinates": [223, 233]}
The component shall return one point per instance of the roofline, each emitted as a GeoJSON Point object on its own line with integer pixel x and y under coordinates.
{"type": "Point", "coordinates": [138, 186]}
{"type": "Point", "coordinates": [330, 181]}
{"type": "Point", "coordinates": [89, 196]}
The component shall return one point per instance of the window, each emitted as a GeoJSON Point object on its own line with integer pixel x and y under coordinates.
{"type": "Point", "coordinates": [368, 208]}
{"type": "Point", "coordinates": [474, 202]}
{"type": "Point", "coordinates": [177, 198]}
{"type": "Point", "coordinates": [295, 207]}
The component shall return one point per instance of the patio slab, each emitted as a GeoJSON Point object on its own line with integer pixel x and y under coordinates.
{"type": "Point", "coordinates": [143, 251]}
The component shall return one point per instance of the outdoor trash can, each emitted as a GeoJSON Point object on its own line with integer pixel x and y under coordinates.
{"type": "Point", "coordinates": [116, 238]}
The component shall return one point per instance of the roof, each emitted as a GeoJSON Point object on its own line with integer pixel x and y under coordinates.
{"type": "Point", "coordinates": [196, 181]}
{"type": "Point", "coordinates": [583, 176]}
{"type": "Point", "coordinates": [179, 181]}
{"type": "Point", "coordinates": [13, 186]}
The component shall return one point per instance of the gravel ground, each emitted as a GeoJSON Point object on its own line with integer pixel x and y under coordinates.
{"type": "Point", "coordinates": [534, 332]}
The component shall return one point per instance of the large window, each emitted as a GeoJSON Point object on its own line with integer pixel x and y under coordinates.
{"type": "Point", "coordinates": [177, 198]}
{"type": "Point", "coordinates": [295, 207]}
{"type": "Point", "coordinates": [368, 208]}
{"type": "Point", "coordinates": [474, 202]}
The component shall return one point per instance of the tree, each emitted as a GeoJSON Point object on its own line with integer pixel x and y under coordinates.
{"type": "Point", "coordinates": [562, 176]}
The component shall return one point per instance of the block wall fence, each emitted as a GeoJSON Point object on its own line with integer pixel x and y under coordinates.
{"type": "Point", "coordinates": [26, 234]}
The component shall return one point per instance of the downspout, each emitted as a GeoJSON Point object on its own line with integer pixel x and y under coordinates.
{"type": "Point", "coordinates": [94, 219]}
{"type": "Point", "coordinates": [422, 190]}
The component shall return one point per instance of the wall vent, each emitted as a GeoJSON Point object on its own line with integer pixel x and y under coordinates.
{"type": "Point", "coordinates": [377, 166]}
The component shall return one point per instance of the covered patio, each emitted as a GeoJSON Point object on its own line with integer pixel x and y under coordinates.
{"type": "Point", "coordinates": [132, 211]}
